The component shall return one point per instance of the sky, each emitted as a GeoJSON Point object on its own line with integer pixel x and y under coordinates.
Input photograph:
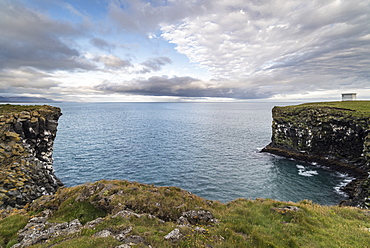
{"type": "Point", "coordinates": [193, 50]}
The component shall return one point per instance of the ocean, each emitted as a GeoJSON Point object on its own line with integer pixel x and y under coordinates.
{"type": "Point", "coordinates": [209, 149]}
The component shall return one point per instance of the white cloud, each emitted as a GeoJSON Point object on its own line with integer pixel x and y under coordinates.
{"type": "Point", "coordinates": [26, 80]}
{"type": "Point", "coordinates": [251, 49]}
{"type": "Point", "coordinates": [289, 41]}
{"type": "Point", "coordinates": [146, 16]}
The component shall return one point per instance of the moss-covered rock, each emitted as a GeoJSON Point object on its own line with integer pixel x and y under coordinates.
{"type": "Point", "coordinates": [129, 214]}
{"type": "Point", "coordinates": [27, 135]}
{"type": "Point", "coordinates": [334, 134]}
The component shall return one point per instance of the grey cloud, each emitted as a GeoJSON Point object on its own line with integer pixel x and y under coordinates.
{"type": "Point", "coordinates": [102, 44]}
{"type": "Point", "coordinates": [145, 16]}
{"type": "Point", "coordinates": [32, 39]}
{"type": "Point", "coordinates": [318, 14]}
{"type": "Point", "coordinates": [113, 62]}
{"type": "Point", "coordinates": [181, 87]}
{"type": "Point", "coordinates": [154, 64]}
{"type": "Point", "coordinates": [281, 40]}
{"type": "Point", "coordinates": [338, 59]}
{"type": "Point", "coordinates": [25, 79]}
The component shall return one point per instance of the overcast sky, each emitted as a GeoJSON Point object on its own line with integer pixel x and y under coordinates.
{"type": "Point", "coordinates": [176, 50]}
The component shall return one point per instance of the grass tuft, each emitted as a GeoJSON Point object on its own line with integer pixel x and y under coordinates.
{"type": "Point", "coordinates": [9, 227]}
{"type": "Point", "coordinates": [83, 211]}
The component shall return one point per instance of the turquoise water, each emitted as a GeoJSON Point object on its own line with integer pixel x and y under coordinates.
{"type": "Point", "coordinates": [210, 149]}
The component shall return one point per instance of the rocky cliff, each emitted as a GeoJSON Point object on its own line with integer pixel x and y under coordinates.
{"type": "Point", "coordinates": [130, 214]}
{"type": "Point", "coordinates": [27, 135]}
{"type": "Point", "coordinates": [336, 135]}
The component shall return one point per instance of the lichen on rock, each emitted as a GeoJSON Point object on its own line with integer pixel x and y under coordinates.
{"type": "Point", "coordinates": [27, 136]}
{"type": "Point", "coordinates": [336, 135]}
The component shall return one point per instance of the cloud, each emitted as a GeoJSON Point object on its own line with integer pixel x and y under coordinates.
{"type": "Point", "coordinates": [113, 62]}
{"type": "Point", "coordinates": [102, 44]}
{"type": "Point", "coordinates": [145, 16]}
{"type": "Point", "coordinates": [154, 64]}
{"type": "Point", "coordinates": [244, 49]}
{"type": "Point", "coordinates": [26, 79]}
{"type": "Point", "coordinates": [282, 40]}
{"type": "Point", "coordinates": [29, 38]}
{"type": "Point", "coordinates": [181, 87]}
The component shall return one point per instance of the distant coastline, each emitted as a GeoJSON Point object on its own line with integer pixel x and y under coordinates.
{"type": "Point", "coordinates": [25, 99]}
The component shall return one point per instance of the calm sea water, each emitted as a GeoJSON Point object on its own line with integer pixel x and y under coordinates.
{"type": "Point", "coordinates": [210, 149]}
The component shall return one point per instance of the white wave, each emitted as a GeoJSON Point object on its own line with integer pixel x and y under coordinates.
{"type": "Point", "coordinates": [300, 167]}
{"type": "Point", "coordinates": [346, 180]}
{"type": "Point", "coordinates": [309, 173]}
{"type": "Point", "coordinates": [303, 171]}
{"type": "Point", "coordinates": [344, 175]}
{"type": "Point", "coordinates": [338, 190]}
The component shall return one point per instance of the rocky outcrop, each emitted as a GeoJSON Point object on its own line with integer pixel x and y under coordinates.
{"type": "Point", "coordinates": [130, 214]}
{"type": "Point", "coordinates": [39, 230]}
{"type": "Point", "coordinates": [338, 138]}
{"type": "Point", "coordinates": [120, 202]}
{"type": "Point", "coordinates": [27, 135]}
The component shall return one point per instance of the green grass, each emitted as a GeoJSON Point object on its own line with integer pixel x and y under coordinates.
{"type": "Point", "coordinates": [243, 223]}
{"type": "Point", "coordinates": [355, 108]}
{"type": "Point", "coordinates": [7, 108]}
{"type": "Point", "coordinates": [82, 242]}
{"type": "Point", "coordinates": [363, 106]}
{"type": "Point", "coordinates": [255, 224]}
{"type": "Point", "coordinates": [9, 227]}
{"type": "Point", "coordinates": [83, 211]}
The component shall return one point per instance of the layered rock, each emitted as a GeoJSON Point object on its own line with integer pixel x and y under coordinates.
{"type": "Point", "coordinates": [27, 136]}
{"type": "Point", "coordinates": [335, 137]}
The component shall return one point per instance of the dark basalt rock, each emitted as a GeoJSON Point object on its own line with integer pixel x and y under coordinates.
{"type": "Point", "coordinates": [26, 146]}
{"type": "Point", "coordinates": [332, 137]}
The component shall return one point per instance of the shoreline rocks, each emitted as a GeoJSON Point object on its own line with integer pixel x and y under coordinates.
{"type": "Point", "coordinates": [332, 137]}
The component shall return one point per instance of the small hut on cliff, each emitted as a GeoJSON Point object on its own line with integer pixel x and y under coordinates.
{"type": "Point", "coordinates": [349, 96]}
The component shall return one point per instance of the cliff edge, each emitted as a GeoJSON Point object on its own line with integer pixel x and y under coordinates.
{"type": "Point", "coordinates": [126, 214]}
{"type": "Point", "coordinates": [27, 136]}
{"type": "Point", "coordinates": [130, 214]}
{"type": "Point", "coordinates": [333, 134]}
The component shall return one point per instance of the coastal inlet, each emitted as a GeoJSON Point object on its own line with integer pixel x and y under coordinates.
{"type": "Point", "coordinates": [210, 149]}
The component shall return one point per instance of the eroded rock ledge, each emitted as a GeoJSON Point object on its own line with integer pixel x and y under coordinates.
{"type": "Point", "coordinates": [328, 134]}
{"type": "Point", "coordinates": [27, 136]}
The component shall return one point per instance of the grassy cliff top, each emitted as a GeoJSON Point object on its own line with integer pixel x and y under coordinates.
{"type": "Point", "coordinates": [241, 223]}
{"type": "Point", "coordinates": [361, 106]}
{"type": "Point", "coordinates": [10, 108]}
{"type": "Point", "coordinates": [355, 108]}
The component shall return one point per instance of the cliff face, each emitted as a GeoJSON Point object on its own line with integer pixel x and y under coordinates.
{"type": "Point", "coordinates": [333, 136]}
{"type": "Point", "coordinates": [27, 136]}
